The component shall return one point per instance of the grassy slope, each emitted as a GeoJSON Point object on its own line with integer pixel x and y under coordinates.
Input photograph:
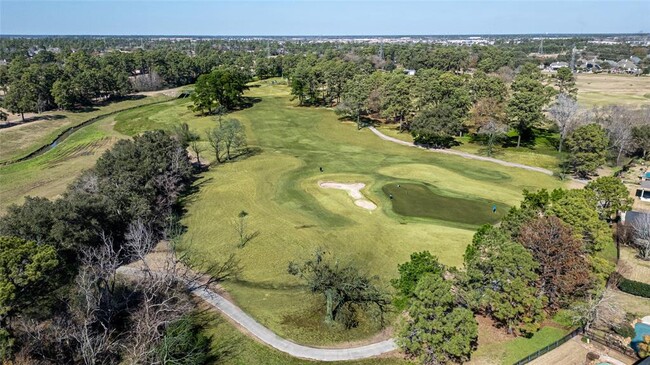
{"type": "Point", "coordinates": [49, 174]}
{"type": "Point", "coordinates": [18, 141]}
{"type": "Point", "coordinates": [235, 348]}
{"type": "Point", "coordinates": [278, 188]}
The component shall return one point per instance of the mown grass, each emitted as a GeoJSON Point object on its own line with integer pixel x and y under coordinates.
{"type": "Point", "coordinates": [279, 189]}
{"type": "Point", "coordinates": [235, 348]}
{"type": "Point", "coordinates": [20, 140]}
{"type": "Point", "coordinates": [540, 153]}
{"type": "Point", "coordinates": [49, 174]}
{"type": "Point", "coordinates": [419, 200]}
{"type": "Point", "coordinates": [515, 349]}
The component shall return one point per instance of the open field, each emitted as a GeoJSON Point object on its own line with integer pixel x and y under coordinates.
{"type": "Point", "coordinates": [512, 350]}
{"type": "Point", "coordinates": [20, 140]}
{"type": "Point", "coordinates": [608, 89]}
{"type": "Point", "coordinates": [637, 269]}
{"type": "Point", "coordinates": [48, 175]}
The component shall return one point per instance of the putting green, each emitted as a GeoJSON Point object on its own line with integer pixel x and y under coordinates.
{"type": "Point", "coordinates": [420, 200]}
{"type": "Point", "coordinates": [279, 188]}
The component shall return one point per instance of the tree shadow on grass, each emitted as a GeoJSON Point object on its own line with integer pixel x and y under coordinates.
{"type": "Point", "coordinates": [364, 121]}
{"type": "Point", "coordinates": [267, 286]}
{"type": "Point", "coordinates": [35, 118]}
{"type": "Point", "coordinates": [190, 195]}
{"type": "Point", "coordinates": [248, 102]}
{"type": "Point", "coordinates": [223, 348]}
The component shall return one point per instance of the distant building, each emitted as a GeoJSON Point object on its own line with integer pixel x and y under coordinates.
{"type": "Point", "coordinates": [627, 66]}
{"type": "Point", "coordinates": [589, 64]}
{"type": "Point", "coordinates": [410, 72]}
{"type": "Point", "coordinates": [635, 59]}
{"type": "Point", "coordinates": [610, 63]}
{"type": "Point", "coordinates": [558, 65]}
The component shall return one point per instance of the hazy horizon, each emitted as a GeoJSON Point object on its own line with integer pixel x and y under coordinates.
{"type": "Point", "coordinates": [268, 18]}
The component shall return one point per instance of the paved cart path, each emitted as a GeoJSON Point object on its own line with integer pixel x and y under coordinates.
{"type": "Point", "coordinates": [462, 154]}
{"type": "Point", "coordinates": [268, 337]}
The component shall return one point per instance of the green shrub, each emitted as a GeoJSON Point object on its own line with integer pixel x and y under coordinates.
{"type": "Point", "coordinates": [624, 330]}
{"type": "Point", "coordinates": [634, 288]}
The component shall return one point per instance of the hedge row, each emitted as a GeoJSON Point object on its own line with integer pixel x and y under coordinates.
{"type": "Point", "coordinates": [634, 287]}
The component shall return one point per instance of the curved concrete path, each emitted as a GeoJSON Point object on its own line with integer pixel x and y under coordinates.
{"type": "Point", "coordinates": [462, 154]}
{"type": "Point", "coordinates": [268, 337]}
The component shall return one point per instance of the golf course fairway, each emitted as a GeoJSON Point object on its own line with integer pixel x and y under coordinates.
{"type": "Point", "coordinates": [291, 215]}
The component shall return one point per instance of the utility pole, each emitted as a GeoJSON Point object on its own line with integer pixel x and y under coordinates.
{"type": "Point", "coordinates": [573, 58]}
{"type": "Point", "coordinates": [540, 51]}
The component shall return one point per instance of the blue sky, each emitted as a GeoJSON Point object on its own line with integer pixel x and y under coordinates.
{"type": "Point", "coordinates": [306, 17]}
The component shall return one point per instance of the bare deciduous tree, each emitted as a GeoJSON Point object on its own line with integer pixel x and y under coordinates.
{"type": "Point", "coordinates": [564, 112]}
{"type": "Point", "coordinates": [619, 123]}
{"type": "Point", "coordinates": [241, 228]}
{"type": "Point", "coordinates": [492, 130]}
{"type": "Point", "coordinates": [641, 235]}
{"type": "Point", "coordinates": [600, 309]}
{"type": "Point", "coordinates": [139, 240]}
{"type": "Point", "coordinates": [216, 138]}
{"type": "Point", "coordinates": [197, 148]}
{"type": "Point", "coordinates": [91, 314]}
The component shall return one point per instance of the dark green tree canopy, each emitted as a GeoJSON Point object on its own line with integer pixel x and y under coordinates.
{"type": "Point", "coordinates": [612, 196]}
{"type": "Point", "coordinates": [500, 277]}
{"type": "Point", "coordinates": [224, 86]}
{"type": "Point", "coordinates": [410, 272]}
{"type": "Point", "coordinates": [24, 277]}
{"type": "Point", "coordinates": [587, 147]}
{"type": "Point", "coordinates": [437, 331]}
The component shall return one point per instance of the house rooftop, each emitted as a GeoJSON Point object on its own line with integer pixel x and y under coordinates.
{"type": "Point", "coordinates": [632, 216]}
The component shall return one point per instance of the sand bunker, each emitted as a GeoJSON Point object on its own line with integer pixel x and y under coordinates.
{"type": "Point", "coordinates": [353, 191]}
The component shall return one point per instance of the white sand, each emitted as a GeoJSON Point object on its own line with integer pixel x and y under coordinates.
{"type": "Point", "coordinates": [354, 191]}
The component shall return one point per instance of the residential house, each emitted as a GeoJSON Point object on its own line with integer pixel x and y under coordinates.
{"type": "Point", "coordinates": [558, 65]}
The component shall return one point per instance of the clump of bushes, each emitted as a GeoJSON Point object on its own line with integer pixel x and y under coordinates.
{"type": "Point", "coordinates": [624, 330]}
{"type": "Point", "coordinates": [634, 287]}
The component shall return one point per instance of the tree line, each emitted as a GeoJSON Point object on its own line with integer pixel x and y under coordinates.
{"type": "Point", "coordinates": [548, 254]}
{"type": "Point", "coordinates": [48, 80]}
{"type": "Point", "coordinates": [544, 257]}
{"type": "Point", "coordinates": [436, 105]}
{"type": "Point", "coordinates": [62, 298]}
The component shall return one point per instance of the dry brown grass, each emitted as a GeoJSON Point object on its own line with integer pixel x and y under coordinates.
{"type": "Point", "coordinates": [638, 270]}
{"type": "Point", "coordinates": [608, 89]}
